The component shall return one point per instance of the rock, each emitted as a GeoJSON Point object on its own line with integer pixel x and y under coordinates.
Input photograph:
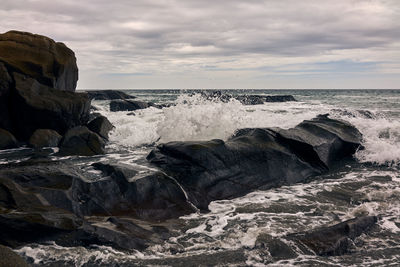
{"type": "Point", "coordinates": [108, 95]}
{"type": "Point", "coordinates": [35, 106]}
{"type": "Point", "coordinates": [333, 240]}
{"type": "Point", "coordinates": [81, 141]}
{"type": "Point", "coordinates": [128, 105]}
{"type": "Point", "coordinates": [56, 201]}
{"type": "Point", "coordinates": [44, 138]}
{"type": "Point", "coordinates": [7, 140]}
{"type": "Point", "coordinates": [9, 258]}
{"type": "Point", "coordinates": [52, 64]}
{"type": "Point", "coordinates": [101, 125]}
{"type": "Point", "coordinates": [255, 159]}
{"type": "Point", "coordinates": [5, 87]}
{"type": "Point", "coordinates": [246, 99]}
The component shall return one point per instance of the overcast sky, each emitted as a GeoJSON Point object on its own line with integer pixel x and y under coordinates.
{"type": "Point", "coordinates": [221, 44]}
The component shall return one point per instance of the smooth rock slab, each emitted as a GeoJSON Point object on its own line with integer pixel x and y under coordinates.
{"type": "Point", "coordinates": [108, 95]}
{"type": "Point", "coordinates": [101, 125]}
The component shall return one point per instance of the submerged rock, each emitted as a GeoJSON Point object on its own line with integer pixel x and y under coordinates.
{"type": "Point", "coordinates": [44, 138]}
{"type": "Point", "coordinates": [7, 140]}
{"type": "Point", "coordinates": [51, 63]}
{"type": "Point", "coordinates": [108, 95]}
{"type": "Point", "coordinates": [36, 106]}
{"type": "Point", "coordinates": [334, 240]}
{"type": "Point", "coordinates": [101, 125]}
{"type": "Point", "coordinates": [255, 158]}
{"type": "Point", "coordinates": [247, 99]}
{"type": "Point", "coordinates": [81, 141]}
{"type": "Point", "coordinates": [128, 105]}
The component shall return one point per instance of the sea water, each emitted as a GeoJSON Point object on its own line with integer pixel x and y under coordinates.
{"type": "Point", "coordinates": [226, 236]}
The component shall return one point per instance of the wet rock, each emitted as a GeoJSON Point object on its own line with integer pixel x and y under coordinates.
{"type": "Point", "coordinates": [54, 201]}
{"type": "Point", "coordinates": [101, 125]}
{"type": "Point", "coordinates": [247, 99]}
{"type": "Point", "coordinates": [9, 258]}
{"type": "Point", "coordinates": [255, 158]}
{"type": "Point", "coordinates": [7, 140]}
{"type": "Point", "coordinates": [276, 247]}
{"type": "Point", "coordinates": [44, 138]}
{"type": "Point", "coordinates": [128, 105]}
{"type": "Point", "coordinates": [35, 106]}
{"type": "Point", "coordinates": [5, 86]}
{"type": "Point", "coordinates": [81, 141]}
{"type": "Point", "coordinates": [51, 63]}
{"type": "Point", "coordinates": [108, 95]}
{"type": "Point", "coordinates": [333, 240]}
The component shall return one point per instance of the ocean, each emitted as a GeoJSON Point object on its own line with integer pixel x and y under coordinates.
{"type": "Point", "coordinates": [226, 236]}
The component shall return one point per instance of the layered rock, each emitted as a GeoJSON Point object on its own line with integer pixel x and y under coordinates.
{"type": "Point", "coordinates": [49, 62]}
{"type": "Point", "coordinates": [256, 158]}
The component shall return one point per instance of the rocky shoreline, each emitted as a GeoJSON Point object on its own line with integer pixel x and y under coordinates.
{"type": "Point", "coordinates": [43, 199]}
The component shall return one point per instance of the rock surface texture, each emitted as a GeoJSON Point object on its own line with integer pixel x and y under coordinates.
{"type": "Point", "coordinates": [108, 95]}
{"type": "Point", "coordinates": [38, 77]}
{"type": "Point", "coordinates": [50, 63]}
{"type": "Point", "coordinates": [256, 158]}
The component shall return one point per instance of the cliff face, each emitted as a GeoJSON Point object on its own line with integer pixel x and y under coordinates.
{"type": "Point", "coordinates": [49, 62]}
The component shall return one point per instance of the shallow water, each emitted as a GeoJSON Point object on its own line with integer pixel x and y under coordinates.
{"type": "Point", "coordinates": [227, 234]}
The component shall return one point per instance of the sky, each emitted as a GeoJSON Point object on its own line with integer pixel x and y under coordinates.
{"type": "Point", "coordinates": [140, 44]}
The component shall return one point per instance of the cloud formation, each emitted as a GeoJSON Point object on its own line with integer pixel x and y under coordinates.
{"type": "Point", "coordinates": [221, 44]}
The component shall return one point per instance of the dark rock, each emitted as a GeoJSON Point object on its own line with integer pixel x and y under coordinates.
{"type": "Point", "coordinates": [255, 159]}
{"type": "Point", "coordinates": [94, 115]}
{"type": "Point", "coordinates": [35, 106]}
{"type": "Point", "coordinates": [101, 125]}
{"type": "Point", "coordinates": [7, 140]}
{"type": "Point", "coordinates": [131, 114]}
{"type": "Point", "coordinates": [52, 64]}
{"type": "Point", "coordinates": [54, 201]}
{"type": "Point", "coordinates": [108, 95]}
{"type": "Point", "coordinates": [5, 87]}
{"type": "Point", "coordinates": [334, 240]}
{"type": "Point", "coordinates": [81, 141]}
{"type": "Point", "coordinates": [9, 258]}
{"type": "Point", "coordinates": [276, 247]}
{"type": "Point", "coordinates": [129, 105]}
{"type": "Point", "coordinates": [246, 99]}
{"type": "Point", "coordinates": [152, 197]}
{"type": "Point", "coordinates": [44, 138]}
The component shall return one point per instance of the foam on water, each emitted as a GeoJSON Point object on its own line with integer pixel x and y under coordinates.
{"type": "Point", "coordinates": [195, 118]}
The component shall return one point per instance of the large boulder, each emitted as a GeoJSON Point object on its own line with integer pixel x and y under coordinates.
{"type": "Point", "coordinates": [49, 62]}
{"type": "Point", "coordinates": [255, 158]}
{"type": "Point", "coordinates": [108, 95]}
{"type": "Point", "coordinates": [44, 138]}
{"type": "Point", "coordinates": [82, 142]}
{"type": "Point", "coordinates": [36, 106]}
{"type": "Point", "coordinates": [7, 140]}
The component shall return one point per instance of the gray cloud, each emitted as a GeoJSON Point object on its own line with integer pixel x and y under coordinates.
{"type": "Point", "coordinates": [175, 37]}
